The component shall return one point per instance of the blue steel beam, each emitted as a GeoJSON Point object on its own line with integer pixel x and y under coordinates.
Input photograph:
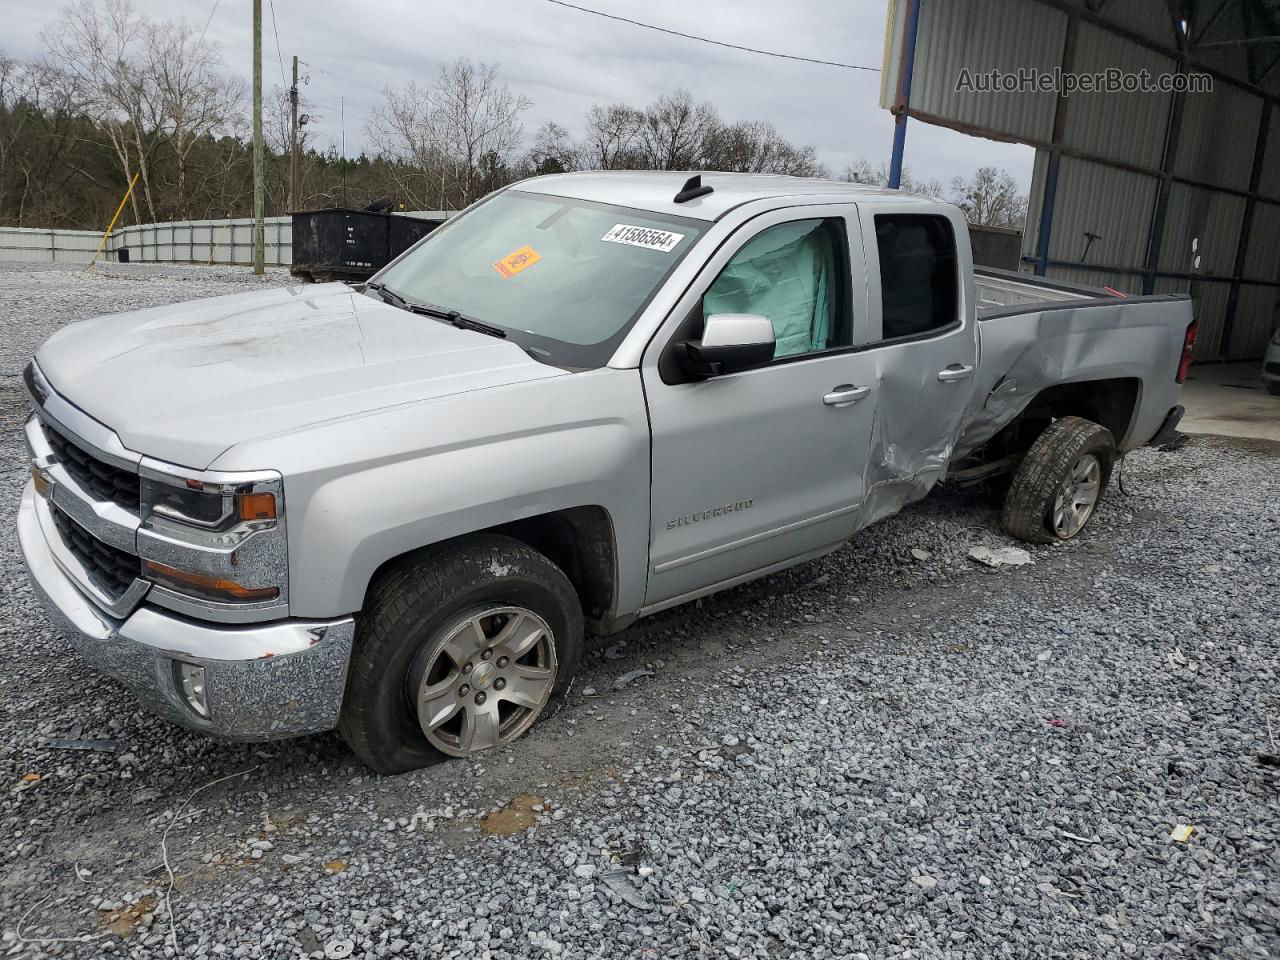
{"type": "Point", "coordinates": [901, 108]}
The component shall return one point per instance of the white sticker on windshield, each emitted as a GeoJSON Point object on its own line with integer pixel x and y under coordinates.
{"type": "Point", "coordinates": [646, 237]}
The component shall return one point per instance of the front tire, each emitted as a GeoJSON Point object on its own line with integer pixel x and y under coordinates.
{"type": "Point", "coordinates": [425, 682]}
{"type": "Point", "coordinates": [1060, 481]}
{"type": "Point", "coordinates": [1273, 387]}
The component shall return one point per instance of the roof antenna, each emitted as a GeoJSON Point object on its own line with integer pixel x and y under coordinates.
{"type": "Point", "coordinates": [693, 189]}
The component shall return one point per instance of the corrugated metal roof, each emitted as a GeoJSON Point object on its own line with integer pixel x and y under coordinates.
{"type": "Point", "coordinates": [1219, 133]}
{"type": "Point", "coordinates": [1129, 127]}
{"type": "Point", "coordinates": [1216, 143]}
{"type": "Point", "coordinates": [982, 35]}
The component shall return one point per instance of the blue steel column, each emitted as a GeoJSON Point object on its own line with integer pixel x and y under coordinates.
{"type": "Point", "coordinates": [900, 117]}
{"type": "Point", "coordinates": [1050, 197]}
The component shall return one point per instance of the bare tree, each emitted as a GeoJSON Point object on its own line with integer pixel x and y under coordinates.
{"type": "Point", "coordinates": [404, 130]}
{"type": "Point", "coordinates": [755, 146]}
{"type": "Point", "coordinates": [611, 137]}
{"type": "Point", "coordinates": [99, 44]}
{"type": "Point", "coordinates": [553, 150]}
{"type": "Point", "coordinates": [464, 130]}
{"type": "Point", "coordinates": [862, 172]}
{"type": "Point", "coordinates": [675, 133]}
{"type": "Point", "coordinates": [991, 197]}
{"type": "Point", "coordinates": [193, 98]}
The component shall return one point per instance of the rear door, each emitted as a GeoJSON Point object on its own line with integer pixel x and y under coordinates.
{"type": "Point", "coordinates": [754, 469]}
{"type": "Point", "coordinates": [923, 341]}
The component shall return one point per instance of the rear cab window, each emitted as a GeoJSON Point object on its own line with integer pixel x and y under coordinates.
{"type": "Point", "coordinates": [919, 280]}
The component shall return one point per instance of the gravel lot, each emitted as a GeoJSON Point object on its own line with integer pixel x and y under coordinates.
{"type": "Point", "coordinates": [870, 755]}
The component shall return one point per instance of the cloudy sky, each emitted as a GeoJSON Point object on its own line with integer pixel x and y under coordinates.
{"type": "Point", "coordinates": [565, 61]}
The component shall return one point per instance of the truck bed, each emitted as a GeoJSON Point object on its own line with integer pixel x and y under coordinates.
{"type": "Point", "coordinates": [1000, 290]}
{"type": "Point", "coordinates": [1038, 335]}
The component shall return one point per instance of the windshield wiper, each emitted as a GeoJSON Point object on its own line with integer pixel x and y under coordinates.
{"type": "Point", "coordinates": [437, 313]}
{"type": "Point", "coordinates": [387, 294]}
{"type": "Point", "coordinates": [457, 319]}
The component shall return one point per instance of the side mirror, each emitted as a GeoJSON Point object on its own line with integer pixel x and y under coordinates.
{"type": "Point", "coordinates": [730, 341]}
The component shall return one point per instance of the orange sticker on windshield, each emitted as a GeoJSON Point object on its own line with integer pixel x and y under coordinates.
{"type": "Point", "coordinates": [513, 263]}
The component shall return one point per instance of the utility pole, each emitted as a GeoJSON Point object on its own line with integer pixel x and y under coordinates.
{"type": "Point", "coordinates": [259, 231]}
{"type": "Point", "coordinates": [293, 127]}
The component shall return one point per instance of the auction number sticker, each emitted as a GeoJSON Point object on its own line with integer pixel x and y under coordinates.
{"type": "Point", "coordinates": [513, 263]}
{"type": "Point", "coordinates": [646, 237]}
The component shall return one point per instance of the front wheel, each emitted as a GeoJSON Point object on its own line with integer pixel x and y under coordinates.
{"type": "Point", "coordinates": [459, 650]}
{"type": "Point", "coordinates": [1056, 488]}
{"type": "Point", "coordinates": [1273, 387]}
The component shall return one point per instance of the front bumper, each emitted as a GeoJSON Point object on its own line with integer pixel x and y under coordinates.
{"type": "Point", "coordinates": [262, 681]}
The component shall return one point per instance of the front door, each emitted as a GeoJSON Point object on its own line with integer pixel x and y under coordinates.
{"type": "Point", "coordinates": [758, 468]}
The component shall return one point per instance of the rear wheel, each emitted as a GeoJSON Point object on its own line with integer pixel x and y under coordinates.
{"type": "Point", "coordinates": [1273, 387]}
{"type": "Point", "coordinates": [1056, 488]}
{"type": "Point", "coordinates": [459, 650]}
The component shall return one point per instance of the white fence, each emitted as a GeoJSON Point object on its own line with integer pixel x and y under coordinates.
{"type": "Point", "coordinates": [182, 241]}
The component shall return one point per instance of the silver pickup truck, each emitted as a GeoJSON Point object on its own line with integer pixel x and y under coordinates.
{"type": "Point", "coordinates": [395, 509]}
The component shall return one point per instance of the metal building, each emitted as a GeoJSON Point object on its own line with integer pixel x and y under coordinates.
{"type": "Point", "coordinates": [1146, 191]}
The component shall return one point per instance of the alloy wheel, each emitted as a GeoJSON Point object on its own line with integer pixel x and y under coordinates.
{"type": "Point", "coordinates": [488, 675]}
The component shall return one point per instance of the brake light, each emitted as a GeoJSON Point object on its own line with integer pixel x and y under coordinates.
{"type": "Point", "coordinates": [1188, 342]}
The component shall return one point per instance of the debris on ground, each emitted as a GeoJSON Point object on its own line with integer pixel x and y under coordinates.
{"type": "Point", "coordinates": [1182, 833]}
{"type": "Point", "coordinates": [1000, 556]}
{"type": "Point", "coordinates": [920, 554]}
{"type": "Point", "coordinates": [97, 746]}
{"type": "Point", "coordinates": [620, 882]}
{"type": "Point", "coordinates": [1076, 836]}
{"type": "Point", "coordinates": [627, 678]}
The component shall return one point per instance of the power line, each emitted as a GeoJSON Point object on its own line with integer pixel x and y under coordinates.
{"type": "Point", "coordinates": [207, 22]}
{"type": "Point", "coordinates": [338, 76]}
{"type": "Point", "coordinates": [718, 43]}
{"type": "Point", "coordinates": [279, 55]}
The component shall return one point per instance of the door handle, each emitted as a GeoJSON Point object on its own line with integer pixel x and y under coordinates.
{"type": "Point", "coordinates": [845, 394]}
{"type": "Point", "coordinates": [955, 371]}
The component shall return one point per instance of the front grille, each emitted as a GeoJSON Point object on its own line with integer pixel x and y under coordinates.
{"type": "Point", "coordinates": [1274, 368]}
{"type": "Point", "coordinates": [102, 480]}
{"type": "Point", "coordinates": [112, 568]}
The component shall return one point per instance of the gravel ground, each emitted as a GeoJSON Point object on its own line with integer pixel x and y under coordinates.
{"type": "Point", "coordinates": [869, 755]}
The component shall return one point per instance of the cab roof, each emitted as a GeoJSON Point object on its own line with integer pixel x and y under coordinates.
{"type": "Point", "coordinates": [655, 190]}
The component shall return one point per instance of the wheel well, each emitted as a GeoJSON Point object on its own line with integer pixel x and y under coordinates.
{"type": "Point", "coordinates": [1110, 403]}
{"type": "Point", "coordinates": [578, 540]}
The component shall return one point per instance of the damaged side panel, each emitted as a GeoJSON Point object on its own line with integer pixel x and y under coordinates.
{"type": "Point", "coordinates": [1025, 353]}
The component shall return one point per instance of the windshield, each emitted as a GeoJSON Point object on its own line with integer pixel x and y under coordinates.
{"type": "Point", "coordinates": [564, 278]}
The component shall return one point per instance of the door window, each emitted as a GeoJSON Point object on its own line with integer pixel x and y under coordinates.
{"type": "Point", "coordinates": [794, 274]}
{"type": "Point", "coordinates": [919, 286]}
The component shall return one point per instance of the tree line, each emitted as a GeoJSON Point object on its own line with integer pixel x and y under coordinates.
{"type": "Point", "coordinates": [118, 94]}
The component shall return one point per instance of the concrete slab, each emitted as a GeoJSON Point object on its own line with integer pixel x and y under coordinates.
{"type": "Point", "coordinates": [1230, 400]}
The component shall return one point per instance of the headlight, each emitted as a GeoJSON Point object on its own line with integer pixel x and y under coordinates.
{"type": "Point", "coordinates": [213, 544]}
{"type": "Point", "coordinates": [210, 506]}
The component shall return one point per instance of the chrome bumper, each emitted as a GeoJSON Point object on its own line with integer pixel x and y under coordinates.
{"type": "Point", "coordinates": [263, 681]}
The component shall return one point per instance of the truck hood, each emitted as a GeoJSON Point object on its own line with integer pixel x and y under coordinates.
{"type": "Point", "coordinates": [186, 382]}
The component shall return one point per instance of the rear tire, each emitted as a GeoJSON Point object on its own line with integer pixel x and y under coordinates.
{"type": "Point", "coordinates": [1060, 481]}
{"type": "Point", "coordinates": [1273, 387]}
{"type": "Point", "coordinates": [404, 633]}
